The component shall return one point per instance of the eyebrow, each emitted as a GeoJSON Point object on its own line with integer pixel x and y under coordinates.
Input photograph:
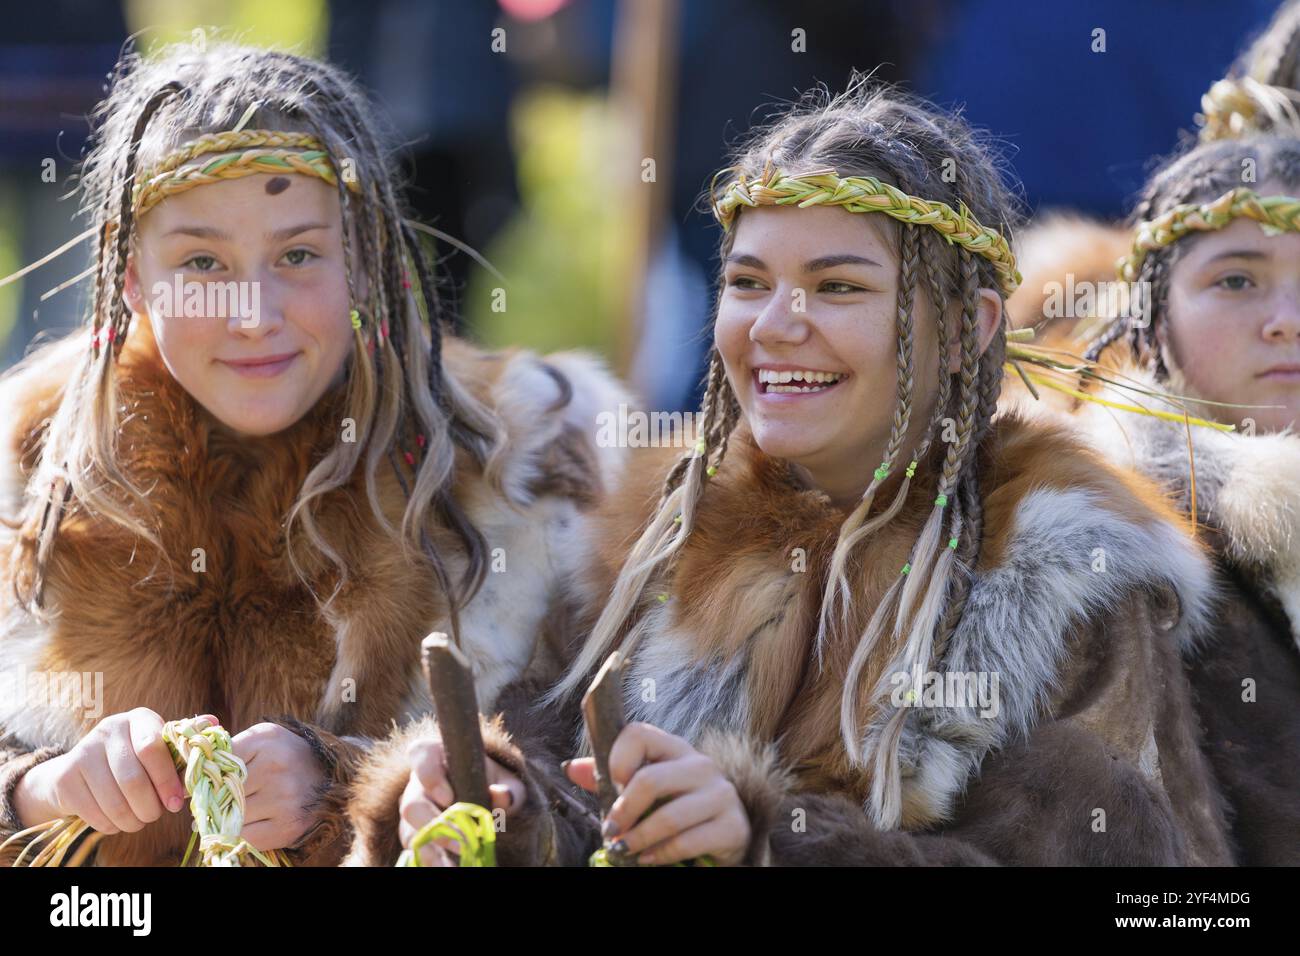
{"type": "Point", "coordinates": [812, 265]}
{"type": "Point", "coordinates": [1238, 254]}
{"type": "Point", "coordinates": [279, 235]}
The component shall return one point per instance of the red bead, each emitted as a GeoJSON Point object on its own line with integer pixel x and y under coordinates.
{"type": "Point", "coordinates": [410, 459]}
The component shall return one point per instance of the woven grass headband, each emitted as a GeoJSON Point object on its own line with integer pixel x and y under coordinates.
{"type": "Point", "coordinates": [245, 152]}
{"type": "Point", "coordinates": [1275, 214]}
{"type": "Point", "coordinates": [823, 187]}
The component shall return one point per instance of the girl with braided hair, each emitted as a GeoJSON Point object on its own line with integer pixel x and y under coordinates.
{"type": "Point", "coordinates": [1221, 258]}
{"type": "Point", "coordinates": [808, 600]}
{"type": "Point", "coordinates": [1213, 244]}
{"type": "Point", "coordinates": [258, 511]}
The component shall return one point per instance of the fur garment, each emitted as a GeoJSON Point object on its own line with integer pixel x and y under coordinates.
{"type": "Point", "coordinates": [244, 638]}
{"type": "Point", "coordinates": [1085, 590]}
{"type": "Point", "coordinates": [1246, 671]}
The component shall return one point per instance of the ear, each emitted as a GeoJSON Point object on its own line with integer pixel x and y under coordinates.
{"type": "Point", "coordinates": [131, 287]}
{"type": "Point", "coordinates": [988, 318]}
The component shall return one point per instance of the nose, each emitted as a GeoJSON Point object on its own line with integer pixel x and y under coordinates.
{"type": "Point", "coordinates": [783, 320]}
{"type": "Point", "coordinates": [256, 310]}
{"type": "Point", "coordinates": [1284, 318]}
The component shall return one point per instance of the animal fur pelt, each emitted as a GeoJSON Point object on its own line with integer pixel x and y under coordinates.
{"type": "Point", "coordinates": [1068, 266]}
{"type": "Point", "coordinates": [244, 639]}
{"type": "Point", "coordinates": [1085, 589]}
{"type": "Point", "coordinates": [1246, 671]}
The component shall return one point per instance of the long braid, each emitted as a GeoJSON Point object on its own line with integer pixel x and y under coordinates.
{"type": "Point", "coordinates": [855, 527]}
{"type": "Point", "coordinates": [934, 561]}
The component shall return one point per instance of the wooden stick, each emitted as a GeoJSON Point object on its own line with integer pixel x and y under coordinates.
{"type": "Point", "coordinates": [451, 683]}
{"type": "Point", "coordinates": [602, 708]}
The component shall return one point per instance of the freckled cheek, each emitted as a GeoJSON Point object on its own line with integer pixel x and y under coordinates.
{"type": "Point", "coordinates": [731, 333]}
{"type": "Point", "coordinates": [1210, 343]}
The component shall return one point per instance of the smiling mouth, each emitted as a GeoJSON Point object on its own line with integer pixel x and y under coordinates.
{"type": "Point", "coordinates": [268, 367]}
{"type": "Point", "coordinates": [795, 382]}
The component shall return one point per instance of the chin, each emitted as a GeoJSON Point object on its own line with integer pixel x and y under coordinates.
{"type": "Point", "coordinates": [254, 422]}
{"type": "Point", "coordinates": [788, 443]}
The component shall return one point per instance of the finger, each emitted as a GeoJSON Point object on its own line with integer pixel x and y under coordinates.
{"type": "Point", "coordinates": [81, 801]}
{"type": "Point", "coordinates": [132, 779]}
{"type": "Point", "coordinates": [416, 811]}
{"type": "Point", "coordinates": [638, 744]}
{"type": "Point", "coordinates": [711, 838]}
{"type": "Point", "coordinates": [433, 855]}
{"type": "Point", "coordinates": [108, 795]}
{"type": "Point", "coordinates": [428, 766]}
{"type": "Point", "coordinates": [652, 783]}
{"type": "Point", "coordinates": [674, 817]}
{"type": "Point", "coordinates": [154, 756]}
{"type": "Point", "coordinates": [266, 835]}
{"type": "Point", "coordinates": [582, 771]}
{"type": "Point", "coordinates": [508, 794]}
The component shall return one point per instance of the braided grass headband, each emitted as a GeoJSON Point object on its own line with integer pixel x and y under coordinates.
{"type": "Point", "coordinates": [246, 152]}
{"type": "Point", "coordinates": [1275, 214]}
{"type": "Point", "coordinates": [823, 187]}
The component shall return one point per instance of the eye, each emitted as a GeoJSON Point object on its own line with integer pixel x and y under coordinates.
{"type": "Point", "coordinates": [304, 256]}
{"type": "Point", "coordinates": [201, 263]}
{"type": "Point", "coordinates": [745, 282]}
{"type": "Point", "coordinates": [1235, 283]}
{"type": "Point", "coordinates": [836, 287]}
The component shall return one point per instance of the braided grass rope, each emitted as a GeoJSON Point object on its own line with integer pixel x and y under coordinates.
{"type": "Point", "coordinates": [823, 187]}
{"type": "Point", "coordinates": [214, 778]}
{"type": "Point", "coordinates": [244, 152]}
{"type": "Point", "coordinates": [1275, 214]}
{"type": "Point", "coordinates": [470, 826]}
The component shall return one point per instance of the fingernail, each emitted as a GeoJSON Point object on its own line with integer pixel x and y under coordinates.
{"type": "Point", "coordinates": [564, 765]}
{"type": "Point", "coordinates": [619, 847]}
{"type": "Point", "coordinates": [175, 803]}
{"type": "Point", "coordinates": [609, 829]}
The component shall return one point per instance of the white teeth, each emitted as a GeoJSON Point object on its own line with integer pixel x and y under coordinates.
{"type": "Point", "coordinates": [772, 376]}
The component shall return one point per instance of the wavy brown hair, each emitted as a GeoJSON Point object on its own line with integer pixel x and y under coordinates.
{"type": "Point", "coordinates": [396, 390]}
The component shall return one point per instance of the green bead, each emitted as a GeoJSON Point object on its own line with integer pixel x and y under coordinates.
{"type": "Point", "coordinates": [355, 316]}
{"type": "Point", "coordinates": [663, 599]}
{"type": "Point", "coordinates": [677, 520]}
{"type": "Point", "coordinates": [881, 473]}
{"type": "Point", "coordinates": [711, 470]}
{"type": "Point", "coordinates": [700, 447]}
{"type": "Point", "coordinates": [911, 469]}
{"type": "Point", "coordinates": [907, 567]}
{"type": "Point", "coordinates": [941, 500]}
{"type": "Point", "coordinates": [952, 543]}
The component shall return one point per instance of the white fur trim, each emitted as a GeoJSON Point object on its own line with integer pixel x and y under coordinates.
{"type": "Point", "coordinates": [1017, 620]}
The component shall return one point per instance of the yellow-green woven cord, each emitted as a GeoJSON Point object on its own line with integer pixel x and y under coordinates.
{"type": "Point", "coordinates": [823, 187]}
{"type": "Point", "coordinates": [470, 826]}
{"type": "Point", "coordinates": [1275, 214]}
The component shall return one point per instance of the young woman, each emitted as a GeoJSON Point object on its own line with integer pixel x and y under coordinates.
{"type": "Point", "coordinates": [1222, 260]}
{"type": "Point", "coordinates": [256, 505]}
{"type": "Point", "coordinates": [864, 622]}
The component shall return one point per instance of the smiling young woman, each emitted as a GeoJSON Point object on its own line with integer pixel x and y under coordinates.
{"type": "Point", "coordinates": [793, 595]}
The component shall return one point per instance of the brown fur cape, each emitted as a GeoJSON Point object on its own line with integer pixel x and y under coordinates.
{"type": "Point", "coordinates": [245, 639]}
{"type": "Point", "coordinates": [1085, 590]}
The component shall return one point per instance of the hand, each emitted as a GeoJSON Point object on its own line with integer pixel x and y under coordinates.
{"type": "Point", "coordinates": [701, 813]}
{"type": "Point", "coordinates": [283, 775]}
{"type": "Point", "coordinates": [428, 793]}
{"type": "Point", "coordinates": [118, 778]}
